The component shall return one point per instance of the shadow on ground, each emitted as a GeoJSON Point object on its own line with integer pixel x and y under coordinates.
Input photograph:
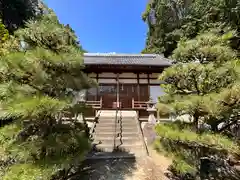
{"type": "Point", "coordinates": [108, 169]}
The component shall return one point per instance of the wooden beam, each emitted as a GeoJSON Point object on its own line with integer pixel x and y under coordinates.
{"type": "Point", "coordinates": [148, 86]}
{"type": "Point", "coordinates": [126, 68]}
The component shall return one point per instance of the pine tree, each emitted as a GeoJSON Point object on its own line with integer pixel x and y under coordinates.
{"type": "Point", "coordinates": [202, 37]}
{"type": "Point", "coordinates": [204, 67]}
{"type": "Point", "coordinates": [37, 88]}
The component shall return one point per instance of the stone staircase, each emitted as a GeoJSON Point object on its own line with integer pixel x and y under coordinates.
{"type": "Point", "coordinates": [118, 134]}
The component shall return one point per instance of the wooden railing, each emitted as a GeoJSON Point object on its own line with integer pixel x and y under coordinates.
{"type": "Point", "coordinates": [139, 104]}
{"type": "Point", "coordinates": [95, 104]}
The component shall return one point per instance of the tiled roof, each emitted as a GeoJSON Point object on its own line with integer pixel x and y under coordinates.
{"type": "Point", "coordinates": [126, 59]}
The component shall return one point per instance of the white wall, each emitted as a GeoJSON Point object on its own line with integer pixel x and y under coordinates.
{"type": "Point", "coordinates": [155, 92]}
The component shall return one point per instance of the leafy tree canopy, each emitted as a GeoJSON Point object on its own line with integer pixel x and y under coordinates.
{"type": "Point", "coordinates": [186, 19]}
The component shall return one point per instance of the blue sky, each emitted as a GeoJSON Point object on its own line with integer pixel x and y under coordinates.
{"type": "Point", "coordinates": [104, 25]}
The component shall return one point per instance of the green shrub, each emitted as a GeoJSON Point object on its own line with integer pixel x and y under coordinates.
{"type": "Point", "coordinates": [26, 160]}
{"type": "Point", "coordinates": [186, 147]}
{"type": "Point", "coordinates": [173, 132]}
{"type": "Point", "coordinates": [28, 171]}
{"type": "Point", "coordinates": [183, 167]}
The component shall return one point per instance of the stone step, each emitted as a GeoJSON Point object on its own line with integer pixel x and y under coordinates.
{"type": "Point", "coordinates": [110, 126]}
{"type": "Point", "coordinates": [111, 133]}
{"type": "Point", "coordinates": [123, 137]}
{"type": "Point", "coordinates": [126, 146]}
{"type": "Point", "coordinates": [120, 121]}
{"type": "Point", "coordinates": [113, 118]}
{"type": "Point", "coordinates": [122, 148]}
{"type": "Point", "coordinates": [117, 130]}
{"type": "Point", "coordinates": [130, 125]}
{"type": "Point", "coordinates": [129, 121]}
{"type": "Point", "coordinates": [104, 133]}
{"type": "Point", "coordinates": [117, 126]}
{"type": "Point", "coordinates": [111, 155]}
{"type": "Point", "coordinates": [124, 140]}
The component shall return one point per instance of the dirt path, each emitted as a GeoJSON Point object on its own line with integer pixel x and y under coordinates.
{"type": "Point", "coordinates": [126, 169]}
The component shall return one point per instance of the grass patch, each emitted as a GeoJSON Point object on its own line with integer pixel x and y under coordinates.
{"type": "Point", "coordinates": [179, 163]}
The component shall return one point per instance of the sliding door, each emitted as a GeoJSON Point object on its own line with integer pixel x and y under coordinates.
{"type": "Point", "coordinates": [126, 93]}
{"type": "Point", "coordinates": [108, 93]}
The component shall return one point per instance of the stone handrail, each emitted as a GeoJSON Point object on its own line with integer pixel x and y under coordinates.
{"type": "Point", "coordinates": [94, 123]}
{"type": "Point", "coordinates": [141, 135]}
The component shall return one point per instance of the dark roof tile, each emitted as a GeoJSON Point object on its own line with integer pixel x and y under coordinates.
{"type": "Point", "coordinates": [126, 59]}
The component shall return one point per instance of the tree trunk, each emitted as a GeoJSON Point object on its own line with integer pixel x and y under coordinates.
{"type": "Point", "coordinates": [214, 124]}
{"type": "Point", "coordinates": [195, 122]}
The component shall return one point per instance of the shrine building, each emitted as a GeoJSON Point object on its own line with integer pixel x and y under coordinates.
{"type": "Point", "coordinates": [125, 81]}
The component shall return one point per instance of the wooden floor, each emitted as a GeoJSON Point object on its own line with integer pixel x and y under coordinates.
{"type": "Point", "coordinates": [124, 113]}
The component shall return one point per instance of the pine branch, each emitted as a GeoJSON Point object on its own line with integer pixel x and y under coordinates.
{"type": "Point", "coordinates": [196, 84]}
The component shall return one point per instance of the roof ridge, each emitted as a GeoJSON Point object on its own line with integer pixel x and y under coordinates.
{"type": "Point", "coordinates": [126, 59]}
{"type": "Point", "coordinates": [119, 55]}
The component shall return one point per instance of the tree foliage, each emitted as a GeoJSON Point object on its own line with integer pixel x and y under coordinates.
{"type": "Point", "coordinates": [195, 84]}
{"type": "Point", "coordinates": [37, 81]}
{"type": "Point", "coordinates": [7, 42]}
{"type": "Point", "coordinates": [205, 48]}
{"type": "Point", "coordinates": [4, 35]}
{"type": "Point", "coordinates": [202, 38]}
{"type": "Point", "coordinates": [188, 149]}
{"type": "Point", "coordinates": [14, 13]}
{"type": "Point", "coordinates": [176, 20]}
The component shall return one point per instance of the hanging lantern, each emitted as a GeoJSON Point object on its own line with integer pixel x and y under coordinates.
{"type": "Point", "coordinates": [152, 16]}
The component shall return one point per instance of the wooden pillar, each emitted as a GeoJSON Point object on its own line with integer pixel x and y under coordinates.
{"type": "Point", "coordinates": [86, 93]}
{"type": "Point", "coordinates": [148, 79]}
{"type": "Point", "coordinates": [138, 88]}
{"type": "Point", "coordinates": [118, 91]}
{"type": "Point", "coordinates": [97, 98]}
